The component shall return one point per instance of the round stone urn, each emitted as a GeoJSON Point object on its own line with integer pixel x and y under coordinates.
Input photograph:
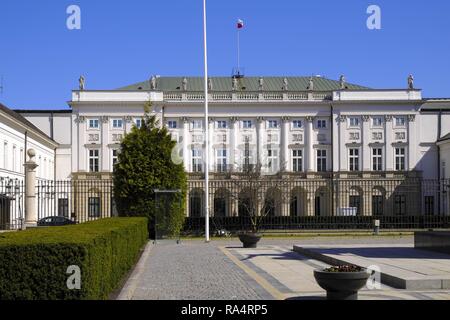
{"type": "Point", "coordinates": [250, 240]}
{"type": "Point", "coordinates": [342, 285]}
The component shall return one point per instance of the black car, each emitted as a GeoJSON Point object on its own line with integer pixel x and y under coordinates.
{"type": "Point", "coordinates": [54, 221]}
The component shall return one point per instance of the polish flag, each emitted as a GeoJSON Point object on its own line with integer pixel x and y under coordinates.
{"type": "Point", "coordinates": [240, 24]}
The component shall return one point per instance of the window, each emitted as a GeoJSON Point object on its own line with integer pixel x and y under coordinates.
{"type": "Point", "coordinates": [14, 156]}
{"type": "Point", "coordinates": [377, 159]}
{"type": "Point", "coordinates": [21, 160]}
{"type": "Point", "coordinates": [377, 121]}
{"type": "Point", "coordinates": [117, 123]}
{"type": "Point", "coordinates": [247, 165]}
{"type": "Point", "coordinates": [221, 124]}
{"type": "Point", "coordinates": [115, 157]}
{"type": "Point", "coordinates": [247, 124]}
{"type": "Point", "coordinates": [355, 202]}
{"type": "Point", "coordinates": [172, 124]}
{"type": "Point", "coordinates": [138, 123]}
{"type": "Point", "coordinates": [400, 121]}
{"type": "Point", "coordinates": [94, 124]}
{"type": "Point", "coordinates": [94, 160]}
{"type": "Point", "coordinates": [400, 205]}
{"type": "Point", "coordinates": [197, 124]}
{"type": "Point", "coordinates": [321, 124]}
{"type": "Point", "coordinates": [272, 124]}
{"type": "Point", "coordinates": [94, 207]}
{"type": "Point", "coordinates": [272, 160]}
{"type": "Point", "coordinates": [63, 207]}
{"type": "Point", "coordinates": [221, 160]}
{"type": "Point", "coordinates": [429, 205]}
{"type": "Point", "coordinates": [297, 124]}
{"type": "Point", "coordinates": [297, 160]}
{"type": "Point", "coordinates": [400, 159]}
{"type": "Point", "coordinates": [321, 160]}
{"type": "Point", "coordinates": [197, 160]}
{"type": "Point", "coordinates": [377, 205]}
{"type": "Point", "coordinates": [354, 122]}
{"type": "Point", "coordinates": [354, 159]}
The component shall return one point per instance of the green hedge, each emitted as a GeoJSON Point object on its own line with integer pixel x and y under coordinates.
{"type": "Point", "coordinates": [33, 263]}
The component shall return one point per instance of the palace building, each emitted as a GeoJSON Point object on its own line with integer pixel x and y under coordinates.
{"type": "Point", "coordinates": [329, 147]}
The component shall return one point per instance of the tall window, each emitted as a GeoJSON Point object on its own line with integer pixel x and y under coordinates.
{"type": "Point", "coordinates": [94, 124]}
{"type": "Point", "coordinates": [272, 160]}
{"type": "Point", "coordinates": [400, 205]}
{"type": "Point", "coordinates": [377, 121]}
{"type": "Point", "coordinates": [221, 160]}
{"type": "Point", "coordinates": [63, 207]}
{"type": "Point", "coordinates": [247, 124]}
{"type": "Point", "coordinates": [14, 156]}
{"type": "Point", "coordinates": [197, 124]}
{"type": "Point", "coordinates": [297, 124]}
{"type": "Point", "coordinates": [117, 123]}
{"type": "Point", "coordinates": [400, 121]}
{"type": "Point", "coordinates": [272, 124]}
{"type": "Point", "coordinates": [377, 159]}
{"type": "Point", "coordinates": [297, 160]}
{"type": "Point", "coordinates": [354, 159]}
{"type": "Point", "coordinates": [115, 157]}
{"type": "Point", "coordinates": [138, 123]}
{"type": "Point", "coordinates": [429, 205]}
{"type": "Point", "coordinates": [5, 155]}
{"type": "Point", "coordinates": [354, 122]}
{"type": "Point", "coordinates": [221, 124]}
{"type": "Point", "coordinates": [172, 124]}
{"type": "Point", "coordinates": [197, 160]}
{"type": "Point", "coordinates": [400, 159]}
{"type": "Point", "coordinates": [321, 160]}
{"type": "Point", "coordinates": [94, 207]}
{"type": "Point", "coordinates": [321, 124]}
{"type": "Point", "coordinates": [94, 160]}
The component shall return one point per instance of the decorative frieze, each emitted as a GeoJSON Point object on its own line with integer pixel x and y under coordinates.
{"type": "Point", "coordinates": [400, 136]}
{"type": "Point", "coordinates": [93, 137]}
{"type": "Point", "coordinates": [377, 136]}
{"type": "Point", "coordinates": [297, 138]}
{"type": "Point", "coordinates": [117, 137]}
{"type": "Point", "coordinates": [354, 136]}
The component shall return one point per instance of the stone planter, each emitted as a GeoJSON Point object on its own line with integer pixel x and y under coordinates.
{"type": "Point", "coordinates": [342, 285]}
{"type": "Point", "coordinates": [250, 240]}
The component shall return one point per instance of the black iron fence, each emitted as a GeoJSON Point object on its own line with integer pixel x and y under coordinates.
{"type": "Point", "coordinates": [196, 226]}
{"type": "Point", "coordinates": [286, 203]}
{"type": "Point", "coordinates": [12, 203]}
{"type": "Point", "coordinates": [79, 200]}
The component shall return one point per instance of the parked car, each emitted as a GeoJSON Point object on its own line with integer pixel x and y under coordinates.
{"type": "Point", "coordinates": [54, 221]}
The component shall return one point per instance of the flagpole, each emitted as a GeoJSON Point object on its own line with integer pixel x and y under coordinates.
{"type": "Point", "coordinates": [206, 128]}
{"type": "Point", "coordinates": [239, 50]}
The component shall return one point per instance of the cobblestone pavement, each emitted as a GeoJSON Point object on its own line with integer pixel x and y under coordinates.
{"type": "Point", "coordinates": [194, 270]}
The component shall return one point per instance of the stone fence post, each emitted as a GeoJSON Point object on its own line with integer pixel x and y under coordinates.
{"type": "Point", "coordinates": [30, 190]}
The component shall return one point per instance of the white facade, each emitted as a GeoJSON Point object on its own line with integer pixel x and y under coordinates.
{"type": "Point", "coordinates": [341, 131]}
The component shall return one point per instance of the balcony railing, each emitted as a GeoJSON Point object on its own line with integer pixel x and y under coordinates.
{"type": "Point", "coordinates": [177, 96]}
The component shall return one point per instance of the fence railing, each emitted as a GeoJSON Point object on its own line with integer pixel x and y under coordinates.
{"type": "Point", "coordinates": [287, 203]}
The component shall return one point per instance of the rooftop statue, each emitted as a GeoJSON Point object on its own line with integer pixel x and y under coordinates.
{"type": "Point", "coordinates": [342, 82]}
{"type": "Point", "coordinates": [185, 82]}
{"type": "Point", "coordinates": [261, 84]}
{"type": "Point", "coordinates": [285, 84]}
{"type": "Point", "coordinates": [81, 83]}
{"type": "Point", "coordinates": [411, 82]}
{"type": "Point", "coordinates": [153, 83]}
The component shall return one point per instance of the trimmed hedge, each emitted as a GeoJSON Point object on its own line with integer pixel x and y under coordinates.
{"type": "Point", "coordinates": [34, 263]}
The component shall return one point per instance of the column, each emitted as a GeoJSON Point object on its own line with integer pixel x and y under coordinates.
{"type": "Point", "coordinates": [186, 154]}
{"type": "Point", "coordinates": [365, 150]}
{"type": "Point", "coordinates": [82, 154]}
{"type": "Point", "coordinates": [75, 144]}
{"type": "Point", "coordinates": [309, 144]}
{"type": "Point", "coordinates": [342, 147]}
{"type": "Point", "coordinates": [260, 140]}
{"type": "Point", "coordinates": [30, 191]}
{"type": "Point", "coordinates": [412, 142]}
{"type": "Point", "coordinates": [335, 142]}
{"type": "Point", "coordinates": [233, 134]}
{"type": "Point", "coordinates": [212, 156]}
{"type": "Point", "coordinates": [104, 150]}
{"type": "Point", "coordinates": [389, 160]}
{"type": "Point", "coordinates": [284, 152]}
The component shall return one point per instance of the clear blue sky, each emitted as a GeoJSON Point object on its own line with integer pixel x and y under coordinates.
{"type": "Point", "coordinates": [123, 42]}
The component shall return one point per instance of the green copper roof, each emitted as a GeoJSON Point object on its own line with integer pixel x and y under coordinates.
{"type": "Point", "coordinates": [245, 83]}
